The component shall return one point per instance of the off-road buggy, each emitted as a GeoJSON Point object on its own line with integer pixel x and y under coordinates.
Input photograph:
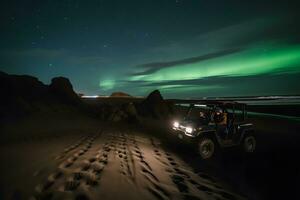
{"type": "Point", "coordinates": [216, 124]}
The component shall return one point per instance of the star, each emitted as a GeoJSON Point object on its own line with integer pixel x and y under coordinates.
{"type": "Point", "coordinates": [13, 20]}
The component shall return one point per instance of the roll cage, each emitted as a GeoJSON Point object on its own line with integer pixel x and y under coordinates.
{"type": "Point", "coordinates": [236, 110]}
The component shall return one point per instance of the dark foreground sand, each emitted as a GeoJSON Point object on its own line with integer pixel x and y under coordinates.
{"type": "Point", "coordinates": [105, 164]}
{"type": "Point", "coordinates": [75, 157]}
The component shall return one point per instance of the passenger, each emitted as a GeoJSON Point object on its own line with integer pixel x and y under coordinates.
{"type": "Point", "coordinates": [220, 117]}
{"type": "Point", "coordinates": [221, 122]}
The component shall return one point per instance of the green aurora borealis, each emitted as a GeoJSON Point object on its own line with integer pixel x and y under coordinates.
{"type": "Point", "coordinates": [184, 48]}
{"type": "Point", "coordinates": [282, 59]}
{"type": "Point", "coordinates": [248, 63]}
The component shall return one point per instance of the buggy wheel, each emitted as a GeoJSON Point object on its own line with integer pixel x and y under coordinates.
{"type": "Point", "coordinates": [249, 143]}
{"type": "Point", "coordinates": [206, 147]}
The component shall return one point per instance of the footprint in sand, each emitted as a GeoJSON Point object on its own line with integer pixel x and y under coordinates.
{"type": "Point", "coordinates": [56, 175]}
{"type": "Point", "coordinates": [91, 160]}
{"type": "Point", "coordinates": [71, 185]}
{"type": "Point", "coordinates": [85, 166]}
{"type": "Point", "coordinates": [97, 168]}
{"type": "Point", "coordinates": [91, 179]}
{"type": "Point", "coordinates": [180, 183]}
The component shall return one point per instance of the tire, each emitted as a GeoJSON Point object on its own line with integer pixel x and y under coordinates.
{"type": "Point", "coordinates": [249, 144]}
{"type": "Point", "coordinates": [206, 147]}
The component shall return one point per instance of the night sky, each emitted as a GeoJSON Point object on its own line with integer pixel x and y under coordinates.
{"type": "Point", "coordinates": [185, 48]}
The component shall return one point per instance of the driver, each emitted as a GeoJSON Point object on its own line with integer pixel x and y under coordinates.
{"type": "Point", "coordinates": [203, 118]}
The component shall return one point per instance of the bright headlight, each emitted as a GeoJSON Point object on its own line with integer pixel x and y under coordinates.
{"type": "Point", "coordinates": [188, 129]}
{"type": "Point", "coordinates": [176, 124]}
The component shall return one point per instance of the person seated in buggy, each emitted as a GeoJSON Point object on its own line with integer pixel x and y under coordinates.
{"type": "Point", "coordinates": [220, 117]}
{"type": "Point", "coordinates": [203, 118]}
{"type": "Point", "coordinates": [221, 120]}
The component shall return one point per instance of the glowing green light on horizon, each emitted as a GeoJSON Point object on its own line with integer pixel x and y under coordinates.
{"type": "Point", "coordinates": [107, 84]}
{"type": "Point", "coordinates": [247, 63]}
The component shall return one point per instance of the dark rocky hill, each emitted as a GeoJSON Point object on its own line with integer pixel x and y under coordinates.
{"type": "Point", "coordinates": [22, 95]}
{"type": "Point", "coordinates": [154, 106]}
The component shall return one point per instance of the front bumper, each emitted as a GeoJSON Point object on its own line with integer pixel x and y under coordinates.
{"type": "Point", "coordinates": [181, 130]}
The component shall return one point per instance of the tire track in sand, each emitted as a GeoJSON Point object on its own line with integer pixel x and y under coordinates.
{"type": "Point", "coordinates": [154, 185]}
{"type": "Point", "coordinates": [183, 179]}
